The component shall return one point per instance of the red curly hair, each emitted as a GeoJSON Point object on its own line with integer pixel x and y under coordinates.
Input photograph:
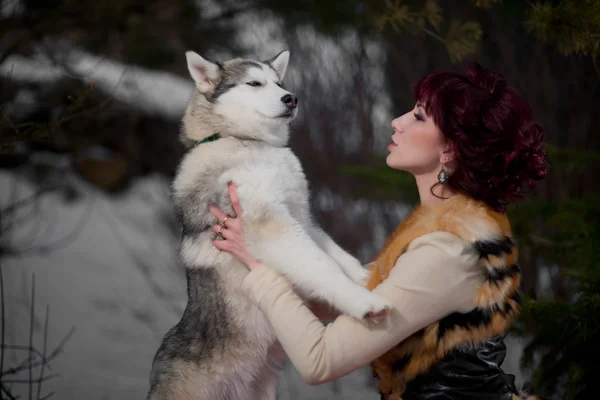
{"type": "Point", "coordinates": [497, 145]}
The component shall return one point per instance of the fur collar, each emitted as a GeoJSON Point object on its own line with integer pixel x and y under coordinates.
{"type": "Point", "coordinates": [489, 234]}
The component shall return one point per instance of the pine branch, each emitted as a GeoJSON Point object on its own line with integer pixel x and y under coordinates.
{"type": "Point", "coordinates": [460, 40]}
{"type": "Point", "coordinates": [573, 27]}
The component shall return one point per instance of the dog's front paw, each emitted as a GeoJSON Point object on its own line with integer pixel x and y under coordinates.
{"type": "Point", "coordinates": [367, 305]}
{"type": "Point", "coordinates": [376, 316]}
{"type": "Point", "coordinates": [379, 308]}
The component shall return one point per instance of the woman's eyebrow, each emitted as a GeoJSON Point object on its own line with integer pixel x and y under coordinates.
{"type": "Point", "coordinates": [422, 106]}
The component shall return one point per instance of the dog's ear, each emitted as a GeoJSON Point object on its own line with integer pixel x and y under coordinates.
{"type": "Point", "coordinates": [204, 73]}
{"type": "Point", "coordinates": [280, 63]}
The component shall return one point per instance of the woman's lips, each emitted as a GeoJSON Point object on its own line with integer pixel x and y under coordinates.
{"type": "Point", "coordinates": [391, 146]}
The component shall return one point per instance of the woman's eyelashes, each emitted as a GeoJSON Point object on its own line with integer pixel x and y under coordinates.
{"type": "Point", "coordinates": [419, 117]}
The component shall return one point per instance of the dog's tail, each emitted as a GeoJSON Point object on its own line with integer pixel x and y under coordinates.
{"type": "Point", "coordinates": [526, 393]}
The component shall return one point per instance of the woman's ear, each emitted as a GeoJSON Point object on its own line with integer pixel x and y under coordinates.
{"type": "Point", "coordinates": [448, 155]}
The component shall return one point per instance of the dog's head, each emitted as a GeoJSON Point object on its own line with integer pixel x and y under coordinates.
{"type": "Point", "coordinates": [245, 96]}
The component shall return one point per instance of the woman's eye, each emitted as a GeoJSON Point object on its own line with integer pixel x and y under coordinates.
{"type": "Point", "coordinates": [253, 83]}
{"type": "Point", "coordinates": [419, 117]}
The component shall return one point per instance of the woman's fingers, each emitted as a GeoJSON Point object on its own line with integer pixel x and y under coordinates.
{"type": "Point", "coordinates": [220, 215]}
{"type": "Point", "coordinates": [235, 200]}
{"type": "Point", "coordinates": [234, 223]}
{"type": "Point", "coordinates": [223, 245]}
{"type": "Point", "coordinates": [224, 232]}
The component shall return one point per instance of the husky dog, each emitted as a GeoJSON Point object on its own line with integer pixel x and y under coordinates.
{"type": "Point", "coordinates": [223, 348]}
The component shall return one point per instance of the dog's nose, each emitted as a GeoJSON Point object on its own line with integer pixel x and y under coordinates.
{"type": "Point", "coordinates": [290, 100]}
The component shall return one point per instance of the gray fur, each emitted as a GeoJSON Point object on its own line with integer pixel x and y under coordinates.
{"type": "Point", "coordinates": [202, 330]}
{"type": "Point", "coordinates": [234, 72]}
{"type": "Point", "coordinates": [190, 205]}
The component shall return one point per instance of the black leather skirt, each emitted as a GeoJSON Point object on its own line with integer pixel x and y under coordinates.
{"type": "Point", "coordinates": [469, 373]}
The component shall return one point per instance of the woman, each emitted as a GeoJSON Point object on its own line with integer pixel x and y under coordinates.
{"type": "Point", "coordinates": [449, 270]}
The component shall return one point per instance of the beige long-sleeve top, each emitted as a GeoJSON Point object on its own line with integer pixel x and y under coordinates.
{"type": "Point", "coordinates": [436, 276]}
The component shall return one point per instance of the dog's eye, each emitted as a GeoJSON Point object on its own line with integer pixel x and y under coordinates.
{"type": "Point", "coordinates": [254, 83]}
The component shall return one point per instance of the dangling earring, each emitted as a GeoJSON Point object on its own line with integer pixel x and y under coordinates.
{"type": "Point", "coordinates": [443, 175]}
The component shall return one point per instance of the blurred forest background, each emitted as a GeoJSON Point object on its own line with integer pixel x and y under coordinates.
{"type": "Point", "coordinates": [92, 93]}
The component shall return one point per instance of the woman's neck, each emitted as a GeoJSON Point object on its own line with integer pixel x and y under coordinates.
{"type": "Point", "coordinates": [440, 192]}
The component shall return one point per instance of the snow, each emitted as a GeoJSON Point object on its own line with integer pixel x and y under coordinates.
{"type": "Point", "coordinates": [158, 93]}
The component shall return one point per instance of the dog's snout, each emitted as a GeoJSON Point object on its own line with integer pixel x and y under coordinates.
{"type": "Point", "coordinates": [290, 100]}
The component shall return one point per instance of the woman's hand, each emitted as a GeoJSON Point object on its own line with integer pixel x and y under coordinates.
{"type": "Point", "coordinates": [231, 231]}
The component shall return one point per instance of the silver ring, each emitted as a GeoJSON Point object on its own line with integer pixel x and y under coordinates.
{"type": "Point", "coordinates": [220, 233]}
{"type": "Point", "coordinates": [223, 223]}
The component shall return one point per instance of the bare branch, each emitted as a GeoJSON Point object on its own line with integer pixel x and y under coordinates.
{"type": "Point", "coordinates": [31, 322]}
{"type": "Point", "coordinates": [34, 197]}
{"type": "Point", "coordinates": [7, 392]}
{"type": "Point", "coordinates": [31, 381]}
{"type": "Point", "coordinates": [2, 320]}
{"type": "Point", "coordinates": [59, 243]}
{"type": "Point", "coordinates": [29, 364]}
{"type": "Point", "coordinates": [47, 396]}
{"type": "Point", "coordinates": [44, 360]}
{"type": "Point", "coordinates": [45, 345]}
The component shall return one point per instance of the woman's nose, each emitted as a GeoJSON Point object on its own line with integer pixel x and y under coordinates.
{"type": "Point", "coordinates": [396, 125]}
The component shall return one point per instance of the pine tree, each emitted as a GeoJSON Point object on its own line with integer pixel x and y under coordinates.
{"type": "Point", "coordinates": [563, 331]}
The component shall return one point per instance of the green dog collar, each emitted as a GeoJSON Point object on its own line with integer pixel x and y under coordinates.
{"type": "Point", "coordinates": [211, 138]}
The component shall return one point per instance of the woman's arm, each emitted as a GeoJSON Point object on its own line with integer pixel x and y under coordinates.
{"type": "Point", "coordinates": [432, 280]}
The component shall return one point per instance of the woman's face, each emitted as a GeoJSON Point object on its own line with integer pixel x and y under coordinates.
{"type": "Point", "coordinates": [417, 144]}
